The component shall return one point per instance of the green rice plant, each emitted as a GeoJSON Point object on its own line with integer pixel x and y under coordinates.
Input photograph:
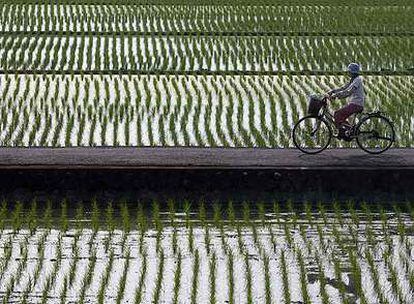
{"type": "Point", "coordinates": [230, 275]}
{"type": "Point", "coordinates": [64, 290]}
{"type": "Point", "coordinates": [293, 214]}
{"type": "Point", "coordinates": [308, 212]}
{"type": "Point", "coordinates": [110, 224]}
{"type": "Point", "coordinates": [160, 275]}
{"type": "Point", "coordinates": [262, 213]}
{"type": "Point", "coordinates": [375, 276]}
{"type": "Point", "coordinates": [4, 262]}
{"type": "Point", "coordinates": [79, 220]}
{"type": "Point", "coordinates": [46, 287]}
{"type": "Point", "coordinates": [395, 279]}
{"type": "Point", "coordinates": [105, 278]}
{"type": "Point", "coordinates": [338, 278]}
{"type": "Point", "coordinates": [25, 292]}
{"type": "Point", "coordinates": [231, 214]}
{"type": "Point", "coordinates": [303, 277]}
{"type": "Point", "coordinates": [267, 278]}
{"type": "Point", "coordinates": [47, 215]}
{"type": "Point", "coordinates": [87, 279]}
{"type": "Point", "coordinates": [41, 255]}
{"type": "Point", "coordinates": [123, 280]}
{"type": "Point", "coordinates": [189, 225]}
{"type": "Point", "coordinates": [217, 218]}
{"type": "Point", "coordinates": [141, 281]}
{"type": "Point", "coordinates": [285, 277]}
{"type": "Point", "coordinates": [157, 224]}
{"type": "Point", "coordinates": [171, 209]}
{"type": "Point", "coordinates": [74, 263]}
{"type": "Point", "coordinates": [322, 213]}
{"type": "Point", "coordinates": [204, 224]}
{"type": "Point", "coordinates": [9, 290]}
{"type": "Point", "coordinates": [16, 217]}
{"type": "Point", "coordinates": [64, 223]}
{"type": "Point", "coordinates": [322, 281]}
{"type": "Point", "coordinates": [212, 278]}
{"type": "Point", "coordinates": [305, 240]}
{"type": "Point", "coordinates": [356, 276]}
{"type": "Point", "coordinates": [276, 211]}
{"type": "Point", "coordinates": [142, 226]}
{"type": "Point", "coordinates": [126, 224]}
{"type": "Point", "coordinates": [95, 214]}
{"type": "Point", "coordinates": [194, 285]}
{"type": "Point", "coordinates": [177, 278]}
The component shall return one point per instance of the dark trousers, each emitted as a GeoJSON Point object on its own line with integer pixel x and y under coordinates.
{"type": "Point", "coordinates": [342, 114]}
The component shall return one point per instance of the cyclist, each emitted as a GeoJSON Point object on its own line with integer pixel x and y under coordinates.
{"type": "Point", "coordinates": [354, 89]}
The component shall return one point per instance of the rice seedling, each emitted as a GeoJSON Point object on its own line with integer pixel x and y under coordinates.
{"type": "Point", "coordinates": [177, 278]}
{"type": "Point", "coordinates": [122, 282]}
{"type": "Point", "coordinates": [105, 278]}
{"type": "Point", "coordinates": [142, 226]}
{"type": "Point", "coordinates": [140, 288]}
{"type": "Point", "coordinates": [159, 277]}
{"type": "Point", "coordinates": [322, 281]}
{"type": "Point", "coordinates": [194, 285]}
{"type": "Point", "coordinates": [267, 279]}
{"type": "Point", "coordinates": [212, 278]}
{"type": "Point", "coordinates": [189, 226]}
{"type": "Point", "coordinates": [157, 224]}
{"type": "Point", "coordinates": [285, 277]}
{"type": "Point", "coordinates": [303, 277]}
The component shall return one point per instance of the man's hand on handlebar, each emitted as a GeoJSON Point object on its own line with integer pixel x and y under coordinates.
{"type": "Point", "coordinates": [330, 96]}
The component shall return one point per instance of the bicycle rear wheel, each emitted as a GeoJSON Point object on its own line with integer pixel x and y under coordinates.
{"type": "Point", "coordinates": [311, 134]}
{"type": "Point", "coordinates": [375, 134]}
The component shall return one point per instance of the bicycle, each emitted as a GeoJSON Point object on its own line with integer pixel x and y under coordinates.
{"type": "Point", "coordinates": [374, 132]}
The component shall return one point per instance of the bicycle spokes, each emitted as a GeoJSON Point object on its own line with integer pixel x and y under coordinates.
{"type": "Point", "coordinates": [375, 134]}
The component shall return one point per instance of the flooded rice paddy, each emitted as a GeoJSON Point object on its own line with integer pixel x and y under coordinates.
{"type": "Point", "coordinates": [206, 253]}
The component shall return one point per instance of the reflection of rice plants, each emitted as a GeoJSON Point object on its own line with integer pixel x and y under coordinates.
{"type": "Point", "coordinates": [335, 252]}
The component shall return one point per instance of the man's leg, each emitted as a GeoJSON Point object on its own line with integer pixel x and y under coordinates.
{"type": "Point", "coordinates": [342, 114]}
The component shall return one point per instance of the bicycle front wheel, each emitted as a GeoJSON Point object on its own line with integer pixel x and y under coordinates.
{"type": "Point", "coordinates": [311, 134]}
{"type": "Point", "coordinates": [375, 134]}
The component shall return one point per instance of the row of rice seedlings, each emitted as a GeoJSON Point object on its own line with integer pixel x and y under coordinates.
{"type": "Point", "coordinates": [123, 280]}
{"type": "Point", "coordinates": [87, 279]}
{"type": "Point", "coordinates": [39, 265]}
{"type": "Point", "coordinates": [212, 278]}
{"type": "Point", "coordinates": [140, 286]}
{"type": "Point", "coordinates": [173, 224]}
{"type": "Point", "coordinates": [177, 278]}
{"type": "Point", "coordinates": [144, 118]}
{"type": "Point", "coordinates": [178, 54]}
{"type": "Point", "coordinates": [157, 225]}
{"type": "Point", "coordinates": [285, 277]}
{"type": "Point", "coordinates": [189, 226]}
{"type": "Point", "coordinates": [142, 225]}
{"type": "Point", "coordinates": [105, 278]}
{"type": "Point", "coordinates": [219, 224]}
{"type": "Point", "coordinates": [110, 224]}
{"type": "Point", "coordinates": [195, 273]}
{"type": "Point", "coordinates": [286, 17]}
{"type": "Point", "coordinates": [159, 277]}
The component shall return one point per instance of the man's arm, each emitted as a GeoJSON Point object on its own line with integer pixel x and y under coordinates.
{"type": "Point", "coordinates": [349, 90]}
{"type": "Point", "coordinates": [344, 87]}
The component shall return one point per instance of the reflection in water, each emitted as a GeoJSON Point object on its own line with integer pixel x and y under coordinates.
{"type": "Point", "coordinates": [327, 253]}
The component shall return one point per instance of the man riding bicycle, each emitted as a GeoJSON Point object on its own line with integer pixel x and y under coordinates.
{"type": "Point", "coordinates": [354, 89]}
